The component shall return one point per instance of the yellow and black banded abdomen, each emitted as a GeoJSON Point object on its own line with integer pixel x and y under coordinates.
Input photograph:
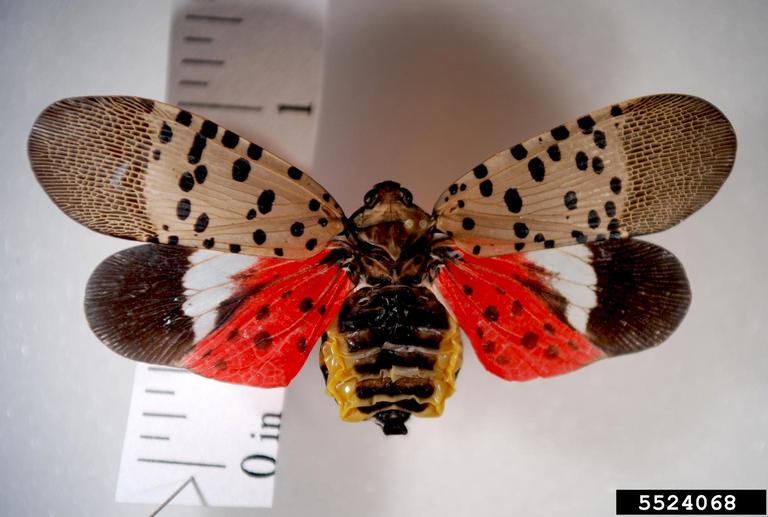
{"type": "Point", "coordinates": [392, 352]}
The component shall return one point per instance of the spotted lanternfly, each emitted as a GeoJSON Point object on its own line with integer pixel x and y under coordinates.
{"type": "Point", "coordinates": [251, 261]}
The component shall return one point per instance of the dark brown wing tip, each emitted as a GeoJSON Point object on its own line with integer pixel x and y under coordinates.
{"type": "Point", "coordinates": [643, 295]}
{"type": "Point", "coordinates": [134, 304]}
{"type": "Point", "coordinates": [679, 150]}
{"type": "Point", "coordinates": [90, 154]}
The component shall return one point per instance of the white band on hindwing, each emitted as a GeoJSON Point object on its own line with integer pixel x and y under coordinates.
{"type": "Point", "coordinates": [572, 275]}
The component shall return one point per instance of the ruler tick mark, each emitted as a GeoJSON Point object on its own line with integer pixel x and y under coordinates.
{"type": "Point", "coordinates": [218, 105]}
{"type": "Point", "coordinates": [201, 61]}
{"type": "Point", "coordinates": [295, 107]}
{"type": "Point", "coordinates": [198, 39]}
{"type": "Point", "coordinates": [213, 18]}
{"type": "Point", "coordinates": [177, 462]}
{"type": "Point", "coordinates": [192, 82]}
{"type": "Point", "coordinates": [163, 415]}
{"type": "Point", "coordinates": [159, 392]}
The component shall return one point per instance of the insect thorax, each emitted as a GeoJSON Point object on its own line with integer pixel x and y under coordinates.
{"type": "Point", "coordinates": [394, 350]}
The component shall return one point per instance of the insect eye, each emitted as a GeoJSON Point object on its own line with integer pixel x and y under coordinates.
{"type": "Point", "coordinates": [407, 196]}
{"type": "Point", "coordinates": [370, 199]}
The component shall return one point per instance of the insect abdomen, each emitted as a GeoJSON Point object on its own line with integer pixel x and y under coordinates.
{"type": "Point", "coordinates": [392, 351]}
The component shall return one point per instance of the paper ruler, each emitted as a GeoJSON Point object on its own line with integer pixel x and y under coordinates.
{"type": "Point", "coordinates": [254, 68]}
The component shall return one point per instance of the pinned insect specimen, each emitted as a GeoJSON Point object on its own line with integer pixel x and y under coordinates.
{"type": "Point", "coordinates": [250, 261]}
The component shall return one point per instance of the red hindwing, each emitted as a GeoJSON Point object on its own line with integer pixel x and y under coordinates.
{"type": "Point", "coordinates": [268, 327]}
{"type": "Point", "coordinates": [509, 313]}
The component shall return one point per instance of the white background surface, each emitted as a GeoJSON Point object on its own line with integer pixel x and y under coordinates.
{"type": "Point", "coordinates": [416, 92]}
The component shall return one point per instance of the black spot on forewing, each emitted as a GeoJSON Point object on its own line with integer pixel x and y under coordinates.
{"type": "Point", "coordinates": [184, 118]}
{"type": "Point", "coordinates": [202, 223]}
{"type": "Point", "coordinates": [570, 200]}
{"type": "Point", "coordinates": [254, 151]}
{"type": "Point", "coordinates": [597, 164]}
{"type": "Point", "coordinates": [585, 123]}
{"type": "Point", "coordinates": [166, 133]}
{"type": "Point", "coordinates": [241, 169]}
{"type": "Point", "coordinates": [560, 133]}
{"type": "Point", "coordinates": [579, 236]}
{"type": "Point", "coordinates": [554, 152]}
{"type": "Point", "coordinates": [265, 201]}
{"type": "Point", "coordinates": [297, 229]}
{"type": "Point", "coordinates": [201, 172]}
{"type": "Point", "coordinates": [481, 171]}
{"type": "Point", "coordinates": [186, 182]}
{"type": "Point", "coordinates": [196, 151]}
{"type": "Point", "coordinates": [593, 219]}
{"type": "Point", "coordinates": [259, 237]}
{"type": "Point", "coordinates": [519, 152]}
{"type": "Point", "coordinates": [486, 188]}
{"type": "Point", "coordinates": [513, 200]}
{"type": "Point", "coordinates": [582, 161]}
{"type": "Point", "coordinates": [209, 129]}
{"type": "Point", "coordinates": [230, 139]}
{"type": "Point", "coordinates": [600, 141]}
{"type": "Point", "coordinates": [183, 208]}
{"type": "Point", "coordinates": [536, 168]}
{"type": "Point", "coordinates": [615, 185]}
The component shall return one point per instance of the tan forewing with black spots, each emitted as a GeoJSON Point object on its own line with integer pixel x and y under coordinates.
{"type": "Point", "coordinates": [636, 167]}
{"type": "Point", "coordinates": [145, 170]}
